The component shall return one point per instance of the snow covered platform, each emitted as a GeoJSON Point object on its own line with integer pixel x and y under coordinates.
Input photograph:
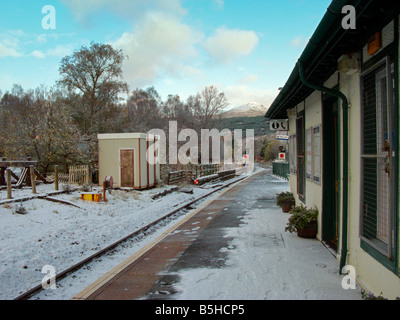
{"type": "Point", "coordinates": [233, 247]}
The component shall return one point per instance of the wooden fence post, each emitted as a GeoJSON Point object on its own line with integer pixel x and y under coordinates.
{"type": "Point", "coordinates": [8, 174]}
{"type": "Point", "coordinates": [56, 177]}
{"type": "Point", "coordinates": [32, 179]}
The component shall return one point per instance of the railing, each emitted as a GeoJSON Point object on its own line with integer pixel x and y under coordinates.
{"type": "Point", "coordinates": [281, 169]}
{"type": "Point", "coordinates": [202, 170]}
{"type": "Point", "coordinates": [179, 176]}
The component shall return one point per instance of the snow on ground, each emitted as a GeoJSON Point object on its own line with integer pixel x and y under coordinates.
{"type": "Point", "coordinates": [61, 235]}
{"type": "Point", "coordinates": [267, 263]}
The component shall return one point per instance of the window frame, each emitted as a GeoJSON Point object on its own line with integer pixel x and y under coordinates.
{"type": "Point", "coordinates": [309, 162]}
{"type": "Point", "coordinates": [388, 258]}
{"type": "Point", "coordinates": [316, 178]}
{"type": "Point", "coordinates": [300, 156]}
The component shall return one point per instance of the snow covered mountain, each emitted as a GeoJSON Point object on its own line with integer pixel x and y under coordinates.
{"type": "Point", "coordinates": [251, 109]}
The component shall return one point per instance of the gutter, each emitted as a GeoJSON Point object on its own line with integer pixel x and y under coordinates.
{"type": "Point", "coordinates": [345, 106]}
{"type": "Point", "coordinates": [316, 45]}
{"type": "Point", "coordinates": [327, 34]}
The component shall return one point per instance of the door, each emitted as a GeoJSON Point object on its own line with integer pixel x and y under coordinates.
{"type": "Point", "coordinates": [330, 172]}
{"type": "Point", "coordinates": [127, 169]}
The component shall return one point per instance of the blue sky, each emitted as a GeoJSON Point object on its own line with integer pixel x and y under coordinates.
{"type": "Point", "coordinates": [245, 48]}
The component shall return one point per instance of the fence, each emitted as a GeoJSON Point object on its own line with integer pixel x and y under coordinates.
{"type": "Point", "coordinates": [202, 170]}
{"type": "Point", "coordinates": [79, 174]}
{"type": "Point", "coordinates": [179, 176]}
{"type": "Point", "coordinates": [199, 171]}
{"type": "Point", "coordinates": [281, 169]}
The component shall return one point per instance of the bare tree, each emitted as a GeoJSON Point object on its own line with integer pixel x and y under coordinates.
{"type": "Point", "coordinates": [39, 126]}
{"type": "Point", "coordinates": [207, 104]}
{"type": "Point", "coordinates": [144, 110]}
{"type": "Point", "coordinates": [93, 76]}
{"type": "Point", "coordinates": [175, 109]}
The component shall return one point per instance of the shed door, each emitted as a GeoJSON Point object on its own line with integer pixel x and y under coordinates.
{"type": "Point", "coordinates": [127, 172]}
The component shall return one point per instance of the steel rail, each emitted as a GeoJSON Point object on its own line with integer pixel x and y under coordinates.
{"type": "Point", "coordinates": [35, 290]}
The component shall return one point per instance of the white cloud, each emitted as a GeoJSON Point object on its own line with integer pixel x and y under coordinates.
{"type": "Point", "coordinates": [159, 44]}
{"type": "Point", "coordinates": [38, 54]}
{"type": "Point", "coordinates": [299, 42]}
{"type": "Point", "coordinates": [8, 51]}
{"type": "Point", "coordinates": [58, 51]}
{"type": "Point", "coordinates": [220, 3]}
{"type": "Point", "coordinates": [131, 9]}
{"type": "Point", "coordinates": [250, 78]}
{"type": "Point", "coordinates": [9, 44]}
{"type": "Point", "coordinates": [162, 48]}
{"type": "Point", "coordinates": [228, 44]}
{"type": "Point", "coordinates": [16, 43]}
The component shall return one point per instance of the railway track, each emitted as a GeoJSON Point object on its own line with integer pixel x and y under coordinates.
{"type": "Point", "coordinates": [65, 273]}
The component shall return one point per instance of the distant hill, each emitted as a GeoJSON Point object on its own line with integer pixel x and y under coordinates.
{"type": "Point", "coordinates": [259, 124]}
{"type": "Point", "coordinates": [251, 109]}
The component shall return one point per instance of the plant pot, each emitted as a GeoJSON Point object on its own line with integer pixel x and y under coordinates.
{"type": "Point", "coordinates": [309, 232]}
{"type": "Point", "coordinates": [287, 205]}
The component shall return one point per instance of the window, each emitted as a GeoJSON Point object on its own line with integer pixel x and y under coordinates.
{"type": "Point", "coordinates": [316, 154]}
{"type": "Point", "coordinates": [300, 146]}
{"type": "Point", "coordinates": [377, 160]}
{"type": "Point", "coordinates": [292, 153]}
{"type": "Point", "coordinates": [309, 159]}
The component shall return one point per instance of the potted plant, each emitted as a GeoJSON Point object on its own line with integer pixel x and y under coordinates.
{"type": "Point", "coordinates": [285, 200]}
{"type": "Point", "coordinates": [304, 221]}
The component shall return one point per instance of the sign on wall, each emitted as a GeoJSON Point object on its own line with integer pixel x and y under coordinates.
{"type": "Point", "coordinates": [282, 137]}
{"type": "Point", "coordinates": [279, 125]}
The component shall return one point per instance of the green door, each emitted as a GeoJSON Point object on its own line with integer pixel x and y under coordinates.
{"type": "Point", "coordinates": [330, 172]}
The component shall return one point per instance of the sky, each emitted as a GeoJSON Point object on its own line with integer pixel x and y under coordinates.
{"type": "Point", "coordinates": [246, 48]}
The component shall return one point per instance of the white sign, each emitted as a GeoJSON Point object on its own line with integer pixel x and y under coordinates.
{"type": "Point", "coordinates": [282, 137]}
{"type": "Point", "coordinates": [279, 125]}
{"type": "Point", "coordinates": [282, 156]}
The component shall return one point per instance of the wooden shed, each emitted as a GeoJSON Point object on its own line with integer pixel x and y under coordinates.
{"type": "Point", "coordinates": [124, 157]}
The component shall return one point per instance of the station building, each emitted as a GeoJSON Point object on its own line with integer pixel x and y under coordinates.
{"type": "Point", "coordinates": [341, 102]}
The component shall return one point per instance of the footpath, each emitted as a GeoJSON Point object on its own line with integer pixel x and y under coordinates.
{"type": "Point", "coordinates": [233, 247]}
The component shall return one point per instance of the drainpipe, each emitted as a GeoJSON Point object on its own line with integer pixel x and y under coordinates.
{"type": "Point", "coordinates": [345, 105]}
